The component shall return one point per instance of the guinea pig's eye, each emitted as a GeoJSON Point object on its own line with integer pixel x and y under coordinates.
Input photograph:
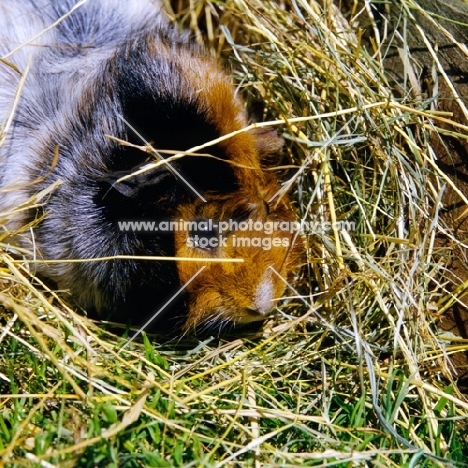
{"type": "Point", "coordinates": [204, 236]}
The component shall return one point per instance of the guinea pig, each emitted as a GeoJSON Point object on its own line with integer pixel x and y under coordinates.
{"type": "Point", "coordinates": [103, 97]}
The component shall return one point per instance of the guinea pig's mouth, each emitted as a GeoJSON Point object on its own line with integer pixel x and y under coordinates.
{"type": "Point", "coordinates": [248, 315]}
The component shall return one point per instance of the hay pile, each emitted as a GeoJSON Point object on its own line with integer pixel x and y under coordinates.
{"type": "Point", "coordinates": [351, 369]}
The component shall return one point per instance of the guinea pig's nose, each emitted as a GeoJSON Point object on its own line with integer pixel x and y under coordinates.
{"type": "Point", "coordinates": [264, 295]}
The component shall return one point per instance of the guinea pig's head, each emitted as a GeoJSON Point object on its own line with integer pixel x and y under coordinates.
{"type": "Point", "coordinates": [252, 252]}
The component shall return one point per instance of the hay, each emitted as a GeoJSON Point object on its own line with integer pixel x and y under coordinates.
{"type": "Point", "coordinates": [351, 370]}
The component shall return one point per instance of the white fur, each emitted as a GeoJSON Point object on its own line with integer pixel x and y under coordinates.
{"type": "Point", "coordinates": [264, 295]}
{"type": "Point", "coordinates": [99, 27]}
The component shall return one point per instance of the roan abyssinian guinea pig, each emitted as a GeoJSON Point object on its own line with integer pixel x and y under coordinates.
{"type": "Point", "coordinates": [94, 91]}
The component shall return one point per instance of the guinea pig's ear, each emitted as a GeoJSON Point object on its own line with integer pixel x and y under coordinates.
{"type": "Point", "coordinates": [132, 185]}
{"type": "Point", "coordinates": [269, 144]}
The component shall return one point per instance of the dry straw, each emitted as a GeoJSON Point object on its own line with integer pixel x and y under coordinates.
{"type": "Point", "coordinates": [351, 370]}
